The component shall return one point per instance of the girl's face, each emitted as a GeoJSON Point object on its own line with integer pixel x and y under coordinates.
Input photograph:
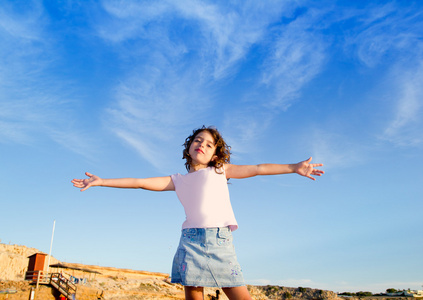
{"type": "Point", "coordinates": [202, 150]}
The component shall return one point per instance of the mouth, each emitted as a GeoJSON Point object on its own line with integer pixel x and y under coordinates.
{"type": "Point", "coordinates": [199, 151]}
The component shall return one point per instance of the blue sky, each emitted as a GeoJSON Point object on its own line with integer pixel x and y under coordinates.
{"type": "Point", "coordinates": [114, 88]}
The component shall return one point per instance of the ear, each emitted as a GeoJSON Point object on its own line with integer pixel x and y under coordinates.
{"type": "Point", "coordinates": [214, 158]}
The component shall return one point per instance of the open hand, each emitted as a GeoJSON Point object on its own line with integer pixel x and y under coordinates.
{"type": "Point", "coordinates": [305, 168]}
{"type": "Point", "coordinates": [93, 180]}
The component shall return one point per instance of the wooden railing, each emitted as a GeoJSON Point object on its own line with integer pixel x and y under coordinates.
{"type": "Point", "coordinates": [38, 277]}
{"type": "Point", "coordinates": [56, 280]}
{"type": "Point", "coordinates": [63, 285]}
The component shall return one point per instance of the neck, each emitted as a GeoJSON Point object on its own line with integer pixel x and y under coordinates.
{"type": "Point", "coordinates": [193, 168]}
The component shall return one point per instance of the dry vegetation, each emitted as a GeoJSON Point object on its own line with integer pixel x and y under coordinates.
{"type": "Point", "coordinates": [119, 284]}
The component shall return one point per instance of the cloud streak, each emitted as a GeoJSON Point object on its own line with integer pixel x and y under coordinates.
{"type": "Point", "coordinates": [21, 109]}
{"type": "Point", "coordinates": [150, 111]}
{"type": "Point", "coordinates": [386, 33]}
{"type": "Point", "coordinates": [223, 36]}
{"type": "Point", "coordinates": [157, 97]}
{"type": "Point", "coordinates": [34, 104]}
{"type": "Point", "coordinates": [297, 56]}
{"type": "Point", "coordinates": [176, 59]}
{"type": "Point", "coordinates": [278, 78]}
{"type": "Point", "coordinates": [405, 127]}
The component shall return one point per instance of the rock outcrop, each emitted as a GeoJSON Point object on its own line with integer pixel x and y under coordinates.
{"type": "Point", "coordinates": [121, 284]}
{"type": "Point", "coordinates": [14, 261]}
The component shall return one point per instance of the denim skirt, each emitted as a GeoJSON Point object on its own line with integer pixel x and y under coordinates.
{"type": "Point", "coordinates": [206, 258]}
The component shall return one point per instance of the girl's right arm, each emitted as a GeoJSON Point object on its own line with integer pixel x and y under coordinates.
{"type": "Point", "coordinates": [153, 183]}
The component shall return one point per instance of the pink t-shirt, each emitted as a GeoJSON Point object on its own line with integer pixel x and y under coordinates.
{"type": "Point", "coordinates": [204, 195]}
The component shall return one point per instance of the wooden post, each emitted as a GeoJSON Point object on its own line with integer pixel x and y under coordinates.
{"type": "Point", "coordinates": [31, 294]}
{"type": "Point", "coordinates": [38, 278]}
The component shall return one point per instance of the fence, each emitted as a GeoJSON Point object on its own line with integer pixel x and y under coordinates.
{"type": "Point", "coordinates": [56, 280]}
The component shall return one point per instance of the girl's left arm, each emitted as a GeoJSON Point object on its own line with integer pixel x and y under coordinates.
{"type": "Point", "coordinates": [304, 168]}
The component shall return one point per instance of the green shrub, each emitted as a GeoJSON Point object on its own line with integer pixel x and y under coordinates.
{"type": "Point", "coordinates": [287, 295]}
{"type": "Point", "coordinates": [364, 294]}
{"type": "Point", "coordinates": [347, 294]}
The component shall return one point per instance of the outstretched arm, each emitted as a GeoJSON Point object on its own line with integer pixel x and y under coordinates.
{"type": "Point", "coordinates": [152, 184]}
{"type": "Point", "coordinates": [304, 168]}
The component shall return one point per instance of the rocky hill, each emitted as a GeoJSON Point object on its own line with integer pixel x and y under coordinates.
{"type": "Point", "coordinates": [14, 261]}
{"type": "Point", "coordinates": [119, 284]}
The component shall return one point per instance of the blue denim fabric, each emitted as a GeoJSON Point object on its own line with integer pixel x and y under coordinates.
{"type": "Point", "coordinates": [206, 257]}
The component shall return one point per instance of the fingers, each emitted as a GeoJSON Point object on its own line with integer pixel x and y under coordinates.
{"type": "Point", "coordinates": [85, 188]}
{"type": "Point", "coordinates": [312, 165]}
{"type": "Point", "coordinates": [81, 180]}
{"type": "Point", "coordinates": [77, 181]}
{"type": "Point", "coordinates": [82, 183]}
{"type": "Point", "coordinates": [314, 172]}
{"type": "Point", "coordinates": [305, 162]}
{"type": "Point", "coordinates": [317, 172]}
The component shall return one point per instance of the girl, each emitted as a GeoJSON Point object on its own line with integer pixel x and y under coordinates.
{"type": "Point", "coordinates": [205, 256]}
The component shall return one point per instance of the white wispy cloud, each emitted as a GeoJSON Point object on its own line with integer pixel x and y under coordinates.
{"type": "Point", "coordinates": [230, 30]}
{"type": "Point", "coordinates": [21, 39]}
{"type": "Point", "coordinates": [160, 95]}
{"type": "Point", "coordinates": [389, 34]}
{"type": "Point", "coordinates": [152, 110]}
{"type": "Point", "coordinates": [127, 20]}
{"type": "Point", "coordinates": [381, 33]}
{"type": "Point", "coordinates": [295, 57]}
{"type": "Point", "coordinates": [385, 33]}
{"type": "Point", "coordinates": [220, 34]}
{"type": "Point", "coordinates": [242, 126]}
{"type": "Point", "coordinates": [298, 54]}
{"type": "Point", "coordinates": [25, 22]}
{"type": "Point", "coordinates": [156, 92]}
{"type": "Point", "coordinates": [34, 104]}
{"type": "Point", "coordinates": [336, 149]}
{"type": "Point", "coordinates": [404, 128]}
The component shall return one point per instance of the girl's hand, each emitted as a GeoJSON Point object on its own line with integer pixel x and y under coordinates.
{"type": "Point", "coordinates": [306, 169]}
{"type": "Point", "coordinates": [93, 180]}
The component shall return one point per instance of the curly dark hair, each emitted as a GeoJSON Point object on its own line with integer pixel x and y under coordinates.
{"type": "Point", "coordinates": [222, 152]}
